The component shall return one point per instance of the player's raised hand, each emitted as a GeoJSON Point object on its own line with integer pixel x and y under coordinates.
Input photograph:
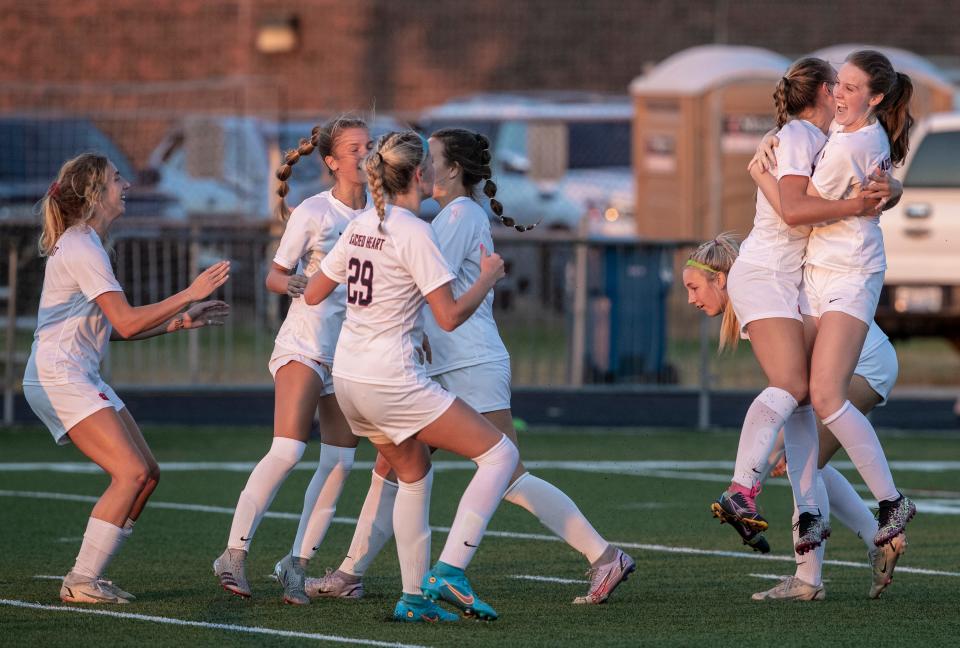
{"type": "Point", "coordinates": [209, 280]}
{"type": "Point", "coordinates": [206, 313]}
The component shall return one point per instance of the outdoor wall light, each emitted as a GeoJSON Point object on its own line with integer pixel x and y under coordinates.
{"type": "Point", "coordinates": [278, 35]}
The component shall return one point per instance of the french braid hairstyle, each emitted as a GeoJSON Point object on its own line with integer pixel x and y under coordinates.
{"type": "Point", "coordinates": [798, 88]}
{"type": "Point", "coordinates": [391, 166]}
{"type": "Point", "coordinates": [712, 258]}
{"type": "Point", "coordinates": [322, 139]}
{"type": "Point", "coordinates": [72, 197]}
{"type": "Point", "coordinates": [471, 152]}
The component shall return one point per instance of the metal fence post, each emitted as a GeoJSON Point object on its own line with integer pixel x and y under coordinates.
{"type": "Point", "coordinates": [703, 401]}
{"type": "Point", "coordinates": [10, 350]}
{"type": "Point", "coordinates": [193, 345]}
{"type": "Point", "coordinates": [579, 341]}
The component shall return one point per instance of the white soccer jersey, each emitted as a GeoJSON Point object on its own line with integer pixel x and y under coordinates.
{"type": "Point", "coordinates": [852, 244]}
{"type": "Point", "coordinates": [461, 227]}
{"type": "Point", "coordinates": [772, 243]}
{"type": "Point", "coordinates": [72, 332]}
{"type": "Point", "coordinates": [387, 271]}
{"type": "Point", "coordinates": [312, 231]}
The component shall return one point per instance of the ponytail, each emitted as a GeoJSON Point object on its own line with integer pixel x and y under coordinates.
{"type": "Point", "coordinates": [893, 111]}
{"type": "Point", "coordinates": [391, 167]}
{"type": "Point", "coordinates": [72, 197]}
{"type": "Point", "coordinates": [714, 257]}
{"type": "Point", "coordinates": [798, 89]}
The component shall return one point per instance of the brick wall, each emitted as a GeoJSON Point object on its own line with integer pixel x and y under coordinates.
{"type": "Point", "coordinates": [405, 54]}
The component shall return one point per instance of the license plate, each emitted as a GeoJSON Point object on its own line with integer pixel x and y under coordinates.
{"type": "Point", "coordinates": [918, 299]}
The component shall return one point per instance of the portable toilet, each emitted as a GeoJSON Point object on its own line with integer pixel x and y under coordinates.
{"type": "Point", "coordinates": [699, 116]}
{"type": "Point", "coordinates": [932, 91]}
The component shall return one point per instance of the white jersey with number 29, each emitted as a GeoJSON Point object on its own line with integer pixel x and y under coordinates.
{"type": "Point", "coordinates": [388, 271]}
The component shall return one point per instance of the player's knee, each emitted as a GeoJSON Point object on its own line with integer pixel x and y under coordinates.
{"type": "Point", "coordinates": [798, 388]}
{"type": "Point", "coordinates": [825, 401]}
{"type": "Point", "coordinates": [134, 477]}
{"type": "Point", "coordinates": [153, 477]}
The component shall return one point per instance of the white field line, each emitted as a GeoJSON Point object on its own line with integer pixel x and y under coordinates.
{"type": "Point", "coordinates": [229, 627]}
{"type": "Point", "coordinates": [640, 468]}
{"type": "Point", "coordinates": [944, 502]}
{"type": "Point", "coordinates": [769, 576]}
{"type": "Point", "coordinates": [777, 577]}
{"type": "Point", "coordinates": [548, 579]}
{"type": "Point", "coordinates": [176, 506]}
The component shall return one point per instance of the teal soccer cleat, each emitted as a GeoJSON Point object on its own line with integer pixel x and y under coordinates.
{"type": "Point", "coordinates": [416, 609]}
{"type": "Point", "coordinates": [450, 584]}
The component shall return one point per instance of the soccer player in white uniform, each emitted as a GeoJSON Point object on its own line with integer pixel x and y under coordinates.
{"type": "Point", "coordinates": [764, 288]}
{"type": "Point", "coordinates": [472, 362]}
{"type": "Point", "coordinates": [301, 364]}
{"type": "Point", "coordinates": [391, 264]}
{"type": "Point", "coordinates": [874, 377]}
{"type": "Point", "coordinates": [843, 272]}
{"type": "Point", "coordinates": [82, 307]}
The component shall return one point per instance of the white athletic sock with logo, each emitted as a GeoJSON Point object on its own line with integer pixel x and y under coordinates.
{"type": "Point", "coordinates": [101, 542]}
{"type": "Point", "coordinates": [761, 425]}
{"type": "Point", "coordinates": [848, 507]}
{"type": "Point", "coordinates": [262, 486]}
{"type": "Point", "coordinates": [479, 502]}
{"type": "Point", "coordinates": [859, 439]}
{"type": "Point", "coordinates": [802, 446]}
{"type": "Point", "coordinates": [557, 512]}
{"type": "Point", "coordinates": [374, 526]}
{"type": "Point", "coordinates": [810, 564]}
{"type": "Point", "coordinates": [411, 521]}
{"type": "Point", "coordinates": [320, 499]}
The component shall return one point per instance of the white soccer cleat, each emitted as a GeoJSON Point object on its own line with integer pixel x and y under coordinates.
{"type": "Point", "coordinates": [605, 578]}
{"type": "Point", "coordinates": [792, 589]}
{"type": "Point", "coordinates": [883, 560]}
{"type": "Point", "coordinates": [83, 589]}
{"type": "Point", "coordinates": [290, 574]}
{"type": "Point", "coordinates": [229, 568]}
{"type": "Point", "coordinates": [108, 585]}
{"type": "Point", "coordinates": [334, 584]}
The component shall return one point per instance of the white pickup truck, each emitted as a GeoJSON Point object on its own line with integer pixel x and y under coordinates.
{"type": "Point", "coordinates": [921, 295]}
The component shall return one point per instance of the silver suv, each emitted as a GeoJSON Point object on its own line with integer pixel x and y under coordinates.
{"type": "Point", "coordinates": [921, 234]}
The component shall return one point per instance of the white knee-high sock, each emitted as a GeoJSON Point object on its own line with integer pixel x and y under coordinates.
{"type": "Point", "coordinates": [479, 502]}
{"type": "Point", "coordinates": [810, 564]}
{"type": "Point", "coordinates": [262, 486]}
{"type": "Point", "coordinates": [763, 421]}
{"type": "Point", "coordinates": [320, 499]}
{"type": "Point", "coordinates": [557, 512]}
{"type": "Point", "coordinates": [802, 444]}
{"type": "Point", "coordinates": [848, 507]}
{"type": "Point", "coordinates": [411, 520]}
{"type": "Point", "coordinates": [101, 542]}
{"type": "Point", "coordinates": [374, 526]}
{"type": "Point", "coordinates": [859, 439]}
{"type": "Point", "coordinates": [773, 458]}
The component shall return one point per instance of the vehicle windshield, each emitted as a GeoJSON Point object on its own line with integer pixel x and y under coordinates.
{"type": "Point", "coordinates": [595, 145]}
{"type": "Point", "coordinates": [484, 127]}
{"type": "Point", "coordinates": [34, 149]}
{"type": "Point", "coordinates": [591, 144]}
{"type": "Point", "coordinates": [935, 163]}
